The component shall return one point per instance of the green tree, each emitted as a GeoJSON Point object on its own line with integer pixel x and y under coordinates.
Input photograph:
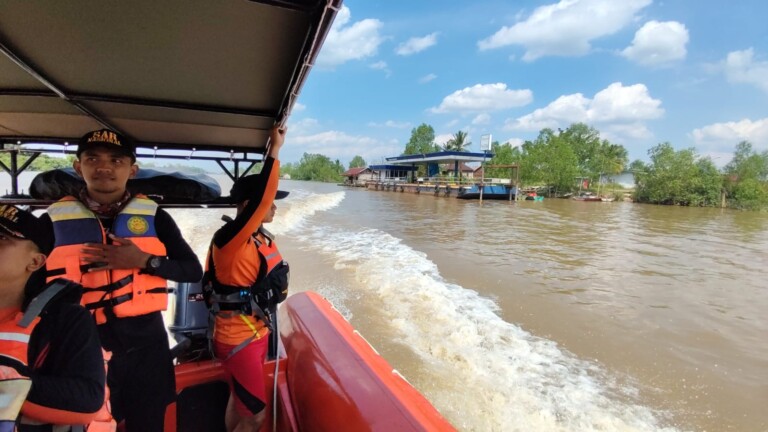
{"type": "Point", "coordinates": [357, 162]}
{"type": "Point", "coordinates": [677, 178]}
{"type": "Point", "coordinates": [585, 142]}
{"type": "Point", "coordinates": [289, 169]}
{"type": "Point", "coordinates": [458, 142]}
{"type": "Point", "coordinates": [503, 154]}
{"type": "Point", "coordinates": [747, 163]}
{"type": "Point", "coordinates": [750, 194]}
{"type": "Point", "coordinates": [422, 140]}
{"type": "Point", "coordinates": [43, 162]}
{"type": "Point", "coordinates": [746, 178]}
{"type": "Point", "coordinates": [317, 167]}
{"type": "Point", "coordinates": [549, 160]}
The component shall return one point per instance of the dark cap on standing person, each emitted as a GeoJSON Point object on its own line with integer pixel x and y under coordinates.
{"type": "Point", "coordinates": [106, 138]}
{"type": "Point", "coordinates": [242, 188]}
{"type": "Point", "coordinates": [24, 225]}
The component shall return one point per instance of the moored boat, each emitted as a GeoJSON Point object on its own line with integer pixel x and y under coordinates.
{"type": "Point", "coordinates": [490, 192]}
{"type": "Point", "coordinates": [587, 196]}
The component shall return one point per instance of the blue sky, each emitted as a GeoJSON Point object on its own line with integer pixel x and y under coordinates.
{"type": "Point", "coordinates": [693, 73]}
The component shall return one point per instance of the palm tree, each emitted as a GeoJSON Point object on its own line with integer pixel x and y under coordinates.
{"type": "Point", "coordinates": [458, 142]}
{"type": "Point", "coordinates": [616, 159]}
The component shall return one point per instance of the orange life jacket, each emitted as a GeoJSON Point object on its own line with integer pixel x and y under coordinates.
{"type": "Point", "coordinates": [15, 334]}
{"type": "Point", "coordinates": [107, 293]}
{"type": "Point", "coordinates": [268, 252]}
{"type": "Point", "coordinates": [269, 288]}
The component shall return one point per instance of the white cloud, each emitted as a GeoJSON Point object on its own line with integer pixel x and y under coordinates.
{"type": "Point", "coordinates": [658, 43]}
{"type": "Point", "coordinates": [741, 67]}
{"type": "Point", "coordinates": [381, 65]}
{"type": "Point", "coordinates": [298, 107]}
{"type": "Point", "coordinates": [427, 78]}
{"type": "Point", "coordinates": [619, 103]}
{"type": "Point", "coordinates": [484, 97]}
{"type": "Point", "coordinates": [723, 137]}
{"type": "Point", "coordinates": [635, 131]}
{"type": "Point", "coordinates": [337, 145]}
{"type": "Point", "coordinates": [566, 28]}
{"type": "Point", "coordinates": [391, 124]}
{"type": "Point", "coordinates": [514, 142]}
{"type": "Point", "coordinates": [481, 119]}
{"type": "Point", "coordinates": [347, 41]}
{"type": "Point", "coordinates": [620, 110]}
{"type": "Point", "coordinates": [416, 44]}
{"type": "Point", "coordinates": [442, 139]}
{"type": "Point", "coordinates": [300, 127]}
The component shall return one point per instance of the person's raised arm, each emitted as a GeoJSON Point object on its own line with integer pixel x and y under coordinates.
{"type": "Point", "coordinates": [261, 197]}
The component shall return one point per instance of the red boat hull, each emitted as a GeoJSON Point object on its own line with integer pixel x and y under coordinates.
{"type": "Point", "coordinates": [329, 379]}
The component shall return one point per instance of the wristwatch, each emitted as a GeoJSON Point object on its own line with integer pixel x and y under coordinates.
{"type": "Point", "coordinates": [153, 263]}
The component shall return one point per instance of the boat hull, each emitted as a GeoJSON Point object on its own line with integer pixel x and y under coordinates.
{"type": "Point", "coordinates": [338, 381]}
{"type": "Point", "coordinates": [490, 192]}
{"type": "Point", "coordinates": [329, 379]}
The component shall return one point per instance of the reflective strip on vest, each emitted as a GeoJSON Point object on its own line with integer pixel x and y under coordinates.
{"type": "Point", "coordinates": [14, 337]}
{"type": "Point", "coordinates": [68, 212]}
{"type": "Point", "coordinates": [269, 252]}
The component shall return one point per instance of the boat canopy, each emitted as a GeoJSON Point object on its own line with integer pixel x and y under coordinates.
{"type": "Point", "coordinates": [439, 157]}
{"type": "Point", "coordinates": [171, 74]}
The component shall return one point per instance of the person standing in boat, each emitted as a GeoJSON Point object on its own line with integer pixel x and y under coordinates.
{"type": "Point", "coordinates": [122, 248]}
{"type": "Point", "coordinates": [50, 356]}
{"type": "Point", "coordinates": [244, 267]}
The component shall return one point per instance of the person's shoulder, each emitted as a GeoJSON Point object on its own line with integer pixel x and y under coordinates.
{"type": "Point", "coordinates": [223, 230]}
{"type": "Point", "coordinates": [163, 217]}
{"type": "Point", "coordinates": [67, 311]}
{"type": "Point", "coordinates": [62, 319]}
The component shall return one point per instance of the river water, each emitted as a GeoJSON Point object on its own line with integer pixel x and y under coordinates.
{"type": "Point", "coordinates": [548, 316]}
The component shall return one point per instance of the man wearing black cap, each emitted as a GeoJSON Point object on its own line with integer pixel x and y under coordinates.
{"type": "Point", "coordinates": [123, 248]}
{"type": "Point", "coordinates": [45, 335]}
{"type": "Point", "coordinates": [247, 276]}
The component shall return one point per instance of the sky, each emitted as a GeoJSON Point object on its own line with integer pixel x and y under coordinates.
{"type": "Point", "coordinates": [642, 72]}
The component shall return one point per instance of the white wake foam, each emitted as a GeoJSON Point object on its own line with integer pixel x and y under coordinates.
{"type": "Point", "coordinates": [508, 379]}
{"type": "Point", "coordinates": [293, 211]}
{"type": "Point", "coordinates": [494, 375]}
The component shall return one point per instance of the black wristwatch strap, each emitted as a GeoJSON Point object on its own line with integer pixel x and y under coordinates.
{"type": "Point", "coordinates": [148, 268]}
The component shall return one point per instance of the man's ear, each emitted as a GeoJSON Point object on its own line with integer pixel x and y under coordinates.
{"type": "Point", "coordinates": [36, 262]}
{"type": "Point", "coordinates": [134, 170]}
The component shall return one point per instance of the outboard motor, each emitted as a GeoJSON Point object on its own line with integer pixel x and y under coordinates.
{"type": "Point", "coordinates": [190, 322]}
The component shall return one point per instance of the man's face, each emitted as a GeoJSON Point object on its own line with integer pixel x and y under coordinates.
{"type": "Point", "coordinates": [270, 214]}
{"type": "Point", "coordinates": [267, 217]}
{"type": "Point", "coordinates": [105, 171]}
{"type": "Point", "coordinates": [18, 258]}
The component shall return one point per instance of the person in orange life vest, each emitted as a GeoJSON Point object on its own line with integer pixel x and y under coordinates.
{"type": "Point", "coordinates": [45, 335]}
{"type": "Point", "coordinates": [240, 332]}
{"type": "Point", "coordinates": [122, 248]}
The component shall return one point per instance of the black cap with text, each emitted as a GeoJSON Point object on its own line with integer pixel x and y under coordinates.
{"type": "Point", "coordinates": [24, 225]}
{"type": "Point", "coordinates": [106, 138]}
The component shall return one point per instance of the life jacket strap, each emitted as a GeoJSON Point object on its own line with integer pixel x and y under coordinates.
{"type": "Point", "coordinates": [113, 286]}
{"type": "Point", "coordinates": [61, 271]}
{"type": "Point", "coordinates": [240, 303]}
{"type": "Point", "coordinates": [110, 302]}
{"type": "Point", "coordinates": [38, 304]}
